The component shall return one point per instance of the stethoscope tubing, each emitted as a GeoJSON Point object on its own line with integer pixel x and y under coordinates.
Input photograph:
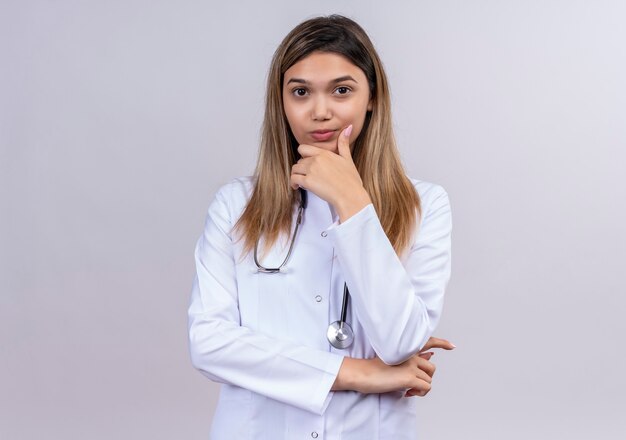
{"type": "Point", "coordinates": [344, 304]}
{"type": "Point", "coordinates": [339, 334]}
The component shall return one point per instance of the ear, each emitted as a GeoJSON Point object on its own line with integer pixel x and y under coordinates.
{"type": "Point", "coordinates": [370, 105]}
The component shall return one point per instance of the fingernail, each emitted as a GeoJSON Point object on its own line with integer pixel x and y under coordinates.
{"type": "Point", "coordinates": [453, 346]}
{"type": "Point", "coordinates": [348, 131]}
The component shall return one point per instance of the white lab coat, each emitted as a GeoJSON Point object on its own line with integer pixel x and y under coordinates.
{"type": "Point", "coordinates": [263, 336]}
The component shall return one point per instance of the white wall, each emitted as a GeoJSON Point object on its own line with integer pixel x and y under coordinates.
{"type": "Point", "coordinates": [119, 119]}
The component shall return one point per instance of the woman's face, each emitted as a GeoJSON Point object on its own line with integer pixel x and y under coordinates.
{"type": "Point", "coordinates": [323, 93]}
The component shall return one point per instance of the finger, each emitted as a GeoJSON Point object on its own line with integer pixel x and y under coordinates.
{"type": "Point", "coordinates": [306, 150]}
{"type": "Point", "coordinates": [426, 355]}
{"type": "Point", "coordinates": [423, 376]}
{"type": "Point", "coordinates": [426, 366]}
{"type": "Point", "coordinates": [416, 392]}
{"type": "Point", "coordinates": [343, 143]}
{"type": "Point", "coordinates": [297, 181]}
{"type": "Point", "coordinates": [419, 388]}
{"type": "Point", "coordinates": [412, 392]}
{"type": "Point", "coordinates": [299, 168]}
{"type": "Point", "coordinates": [437, 343]}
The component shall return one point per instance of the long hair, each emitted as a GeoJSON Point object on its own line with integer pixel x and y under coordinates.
{"type": "Point", "coordinates": [269, 211]}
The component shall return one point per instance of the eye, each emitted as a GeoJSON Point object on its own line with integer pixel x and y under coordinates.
{"type": "Point", "coordinates": [343, 90]}
{"type": "Point", "coordinates": [300, 91]}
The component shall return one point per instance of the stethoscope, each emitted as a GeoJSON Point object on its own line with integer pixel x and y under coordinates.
{"type": "Point", "coordinates": [339, 334]}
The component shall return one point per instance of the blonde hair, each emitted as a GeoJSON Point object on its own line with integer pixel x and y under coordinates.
{"type": "Point", "coordinates": [269, 211]}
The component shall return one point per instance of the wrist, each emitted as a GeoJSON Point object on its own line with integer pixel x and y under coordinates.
{"type": "Point", "coordinates": [350, 375]}
{"type": "Point", "coordinates": [352, 204]}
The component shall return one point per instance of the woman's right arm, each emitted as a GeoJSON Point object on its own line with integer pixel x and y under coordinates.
{"type": "Point", "coordinates": [225, 351]}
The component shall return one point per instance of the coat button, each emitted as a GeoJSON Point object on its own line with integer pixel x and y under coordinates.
{"type": "Point", "coordinates": [314, 434]}
{"type": "Point", "coordinates": [324, 234]}
{"type": "Point", "coordinates": [318, 298]}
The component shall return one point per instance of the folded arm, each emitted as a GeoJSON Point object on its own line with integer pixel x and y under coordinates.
{"type": "Point", "coordinates": [225, 351]}
{"type": "Point", "coordinates": [398, 303]}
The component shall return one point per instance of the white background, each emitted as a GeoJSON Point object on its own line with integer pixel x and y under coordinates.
{"type": "Point", "coordinates": [119, 120]}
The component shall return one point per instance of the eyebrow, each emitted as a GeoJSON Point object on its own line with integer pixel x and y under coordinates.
{"type": "Point", "coordinates": [334, 81]}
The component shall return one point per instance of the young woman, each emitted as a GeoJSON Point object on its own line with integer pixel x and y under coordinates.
{"type": "Point", "coordinates": [329, 230]}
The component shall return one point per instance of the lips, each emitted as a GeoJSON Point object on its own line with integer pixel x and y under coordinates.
{"type": "Point", "coordinates": [322, 135]}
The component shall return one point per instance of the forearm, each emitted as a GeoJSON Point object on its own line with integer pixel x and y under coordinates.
{"type": "Point", "coordinates": [289, 372]}
{"type": "Point", "coordinates": [348, 206]}
{"type": "Point", "coordinates": [349, 375]}
{"type": "Point", "coordinates": [382, 285]}
{"type": "Point", "coordinates": [374, 376]}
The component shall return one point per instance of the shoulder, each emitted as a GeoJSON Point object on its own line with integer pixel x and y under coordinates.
{"type": "Point", "coordinates": [234, 195]}
{"type": "Point", "coordinates": [436, 214]}
{"type": "Point", "coordinates": [430, 193]}
{"type": "Point", "coordinates": [237, 188]}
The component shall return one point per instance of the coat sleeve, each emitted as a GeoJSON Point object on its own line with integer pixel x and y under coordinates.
{"type": "Point", "coordinates": [225, 351]}
{"type": "Point", "coordinates": [398, 303]}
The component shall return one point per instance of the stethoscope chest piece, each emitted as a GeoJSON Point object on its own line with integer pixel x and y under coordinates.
{"type": "Point", "coordinates": [340, 334]}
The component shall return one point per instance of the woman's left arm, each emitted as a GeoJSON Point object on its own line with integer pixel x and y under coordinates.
{"type": "Point", "coordinates": [398, 302]}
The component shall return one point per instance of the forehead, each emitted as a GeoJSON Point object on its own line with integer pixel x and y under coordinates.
{"type": "Point", "coordinates": [323, 67]}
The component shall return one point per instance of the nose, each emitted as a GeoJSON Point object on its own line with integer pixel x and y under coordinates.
{"type": "Point", "coordinates": [321, 111]}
